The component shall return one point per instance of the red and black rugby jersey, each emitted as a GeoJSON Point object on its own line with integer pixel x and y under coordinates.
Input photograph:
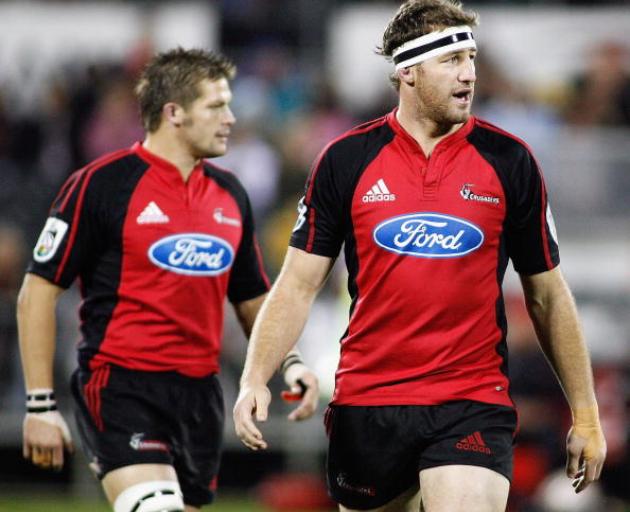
{"type": "Point", "coordinates": [156, 257]}
{"type": "Point", "coordinates": [427, 242]}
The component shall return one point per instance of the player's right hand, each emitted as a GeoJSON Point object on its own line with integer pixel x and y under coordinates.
{"type": "Point", "coordinates": [586, 452]}
{"type": "Point", "coordinates": [252, 400]}
{"type": "Point", "coordinates": [45, 435]}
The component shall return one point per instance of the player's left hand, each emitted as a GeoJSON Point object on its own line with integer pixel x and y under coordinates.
{"type": "Point", "coordinates": [252, 402]}
{"type": "Point", "coordinates": [304, 386]}
{"type": "Point", "coordinates": [586, 452]}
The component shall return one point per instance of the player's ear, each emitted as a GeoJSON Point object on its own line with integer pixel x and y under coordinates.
{"type": "Point", "coordinates": [407, 76]}
{"type": "Point", "coordinates": [173, 113]}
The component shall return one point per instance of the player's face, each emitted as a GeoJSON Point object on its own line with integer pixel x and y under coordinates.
{"type": "Point", "coordinates": [208, 120]}
{"type": "Point", "coordinates": [445, 87]}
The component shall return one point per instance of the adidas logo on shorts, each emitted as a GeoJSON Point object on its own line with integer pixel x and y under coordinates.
{"type": "Point", "coordinates": [473, 443]}
{"type": "Point", "coordinates": [378, 192]}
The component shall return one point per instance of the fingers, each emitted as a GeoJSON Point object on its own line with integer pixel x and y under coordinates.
{"type": "Point", "coordinates": [262, 406]}
{"type": "Point", "coordinates": [248, 404]}
{"type": "Point", "coordinates": [43, 444]}
{"type": "Point", "coordinates": [57, 458]}
{"type": "Point", "coordinates": [573, 463]}
{"type": "Point", "coordinates": [42, 457]}
{"type": "Point", "coordinates": [578, 480]}
{"type": "Point", "coordinates": [589, 472]}
{"type": "Point", "coordinates": [575, 448]}
{"type": "Point", "coordinates": [586, 452]}
{"type": "Point", "coordinates": [308, 405]}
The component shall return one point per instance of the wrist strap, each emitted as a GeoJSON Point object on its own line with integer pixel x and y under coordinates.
{"type": "Point", "coordinates": [40, 400]}
{"type": "Point", "coordinates": [291, 358]}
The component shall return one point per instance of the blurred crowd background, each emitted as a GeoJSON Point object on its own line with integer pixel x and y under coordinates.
{"type": "Point", "coordinates": [555, 73]}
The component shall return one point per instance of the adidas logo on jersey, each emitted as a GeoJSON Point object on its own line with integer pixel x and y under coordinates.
{"type": "Point", "coordinates": [378, 192]}
{"type": "Point", "coordinates": [152, 215]}
{"type": "Point", "coordinates": [473, 443]}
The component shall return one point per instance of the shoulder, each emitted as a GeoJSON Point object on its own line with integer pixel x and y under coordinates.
{"type": "Point", "coordinates": [498, 144]}
{"type": "Point", "coordinates": [225, 178]}
{"type": "Point", "coordinates": [353, 146]}
{"type": "Point", "coordinates": [108, 171]}
{"type": "Point", "coordinates": [101, 180]}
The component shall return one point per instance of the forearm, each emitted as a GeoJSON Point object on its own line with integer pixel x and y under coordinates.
{"type": "Point", "coordinates": [36, 329]}
{"type": "Point", "coordinates": [276, 331]}
{"type": "Point", "coordinates": [555, 319]}
{"type": "Point", "coordinates": [247, 311]}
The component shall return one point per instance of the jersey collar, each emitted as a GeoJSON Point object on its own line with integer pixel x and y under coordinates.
{"type": "Point", "coordinates": [413, 145]}
{"type": "Point", "coordinates": [162, 166]}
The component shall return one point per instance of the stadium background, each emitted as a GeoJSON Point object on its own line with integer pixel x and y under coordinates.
{"type": "Point", "coordinates": [555, 73]}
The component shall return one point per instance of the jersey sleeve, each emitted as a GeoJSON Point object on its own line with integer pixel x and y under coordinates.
{"type": "Point", "coordinates": [247, 278]}
{"type": "Point", "coordinates": [531, 235]}
{"type": "Point", "coordinates": [68, 237]}
{"type": "Point", "coordinates": [319, 226]}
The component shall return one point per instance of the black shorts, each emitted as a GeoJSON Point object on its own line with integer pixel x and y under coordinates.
{"type": "Point", "coordinates": [130, 417]}
{"type": "Point", "coordinates": [376, 453]}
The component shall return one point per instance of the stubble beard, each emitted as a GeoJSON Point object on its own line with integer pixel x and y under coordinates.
{"type": "Point", "coordinates": [434, 106]}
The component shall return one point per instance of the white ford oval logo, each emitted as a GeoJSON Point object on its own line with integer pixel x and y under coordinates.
{"type": "Point", "coordinates": [428, 235]}
{"type": "Point", "coordinates": [193, 254]}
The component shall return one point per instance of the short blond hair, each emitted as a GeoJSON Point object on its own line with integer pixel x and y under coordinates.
{"type": "Point", "coordinates": [175, 76]}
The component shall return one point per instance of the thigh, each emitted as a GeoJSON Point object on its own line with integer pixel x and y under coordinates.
{"type": "Point", "coordinates": [471, 434]}
{"type": "Point", "coordinates": [408, 501]}
{"type": "Point", "coordinates": [461, 488]}
{"type": "Point", "coordinates": [117, 423]}
{"type": "Point", "coordinates": [118, 480]}
{"type": "Point", "coordinates": [199, 431]}
{"type": "Point", "coordinates": [372, 455]}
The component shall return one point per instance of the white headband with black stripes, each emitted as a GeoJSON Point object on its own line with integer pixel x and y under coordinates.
{"type": "Point", "coordinates": [432, 44]}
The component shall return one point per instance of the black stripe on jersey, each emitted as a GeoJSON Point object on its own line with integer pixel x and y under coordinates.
{"type": "Point", "coordinates": [70, 182]}
{"type": "Point", "coordinates": [247, 277]}
{"type": "Point", "coordinates": [94, 202]}
{"type": "Point", "coordinates": [528, 240]}
{"type": "Point", "coordinates": [330, 187]}
{"type": "Point", "coordinates": [348, 158]}
{"type": "Point", "coordinates": [501, 347]}
{"type": "Point", "coordinates": [108, 194]}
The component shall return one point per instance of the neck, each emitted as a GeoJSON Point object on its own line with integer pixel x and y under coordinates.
{"type": "Point", "coordinates": [168, 147]}
{"type": "Point", "coordinates": [425, 131]}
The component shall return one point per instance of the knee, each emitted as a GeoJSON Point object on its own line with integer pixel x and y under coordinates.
{"type": "Point", "coordinates": [154, 496]}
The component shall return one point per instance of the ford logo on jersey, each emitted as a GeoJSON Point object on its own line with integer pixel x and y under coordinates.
{"type": "Point", "coordinates": [194, 254]}
{"type": "Point", "coordinates": [428, 235]}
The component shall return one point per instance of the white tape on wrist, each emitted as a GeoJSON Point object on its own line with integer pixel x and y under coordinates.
{"type": "Point", "coordinates": [293, 373]}
{"type": "Point", "coordinates": [40, 400]}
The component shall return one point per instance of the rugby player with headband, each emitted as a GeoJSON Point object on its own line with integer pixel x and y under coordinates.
{"type": "Point", "coordinates": [433, 44]}
{"type": "Point", "coordinates": [430, 204]}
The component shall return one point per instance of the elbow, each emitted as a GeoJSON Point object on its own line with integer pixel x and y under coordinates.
{"type": "Point", "coordinates": [23, 301]}
{"type": "Point", "coordinates": [535, 305]}
{"type": "Point", "coordinates": [34, 293]}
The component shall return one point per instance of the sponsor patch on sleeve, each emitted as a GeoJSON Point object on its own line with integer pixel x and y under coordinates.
{"type": "Point", "coordinates": [49, 239]}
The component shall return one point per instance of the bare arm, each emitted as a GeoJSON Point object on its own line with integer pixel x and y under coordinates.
{"type": "Point", "coordinates": [45, 433]}
{"type": "Point", "coordinates": [554, 314]}
{"type": "Point", "coordinates": [37, 327]}
{"type": "Point", "coordinates": [276, 330]}
{"type": "Point", "coordinates": [296, 375]}
{"type": "Point", "coordinates": [247, 311]}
